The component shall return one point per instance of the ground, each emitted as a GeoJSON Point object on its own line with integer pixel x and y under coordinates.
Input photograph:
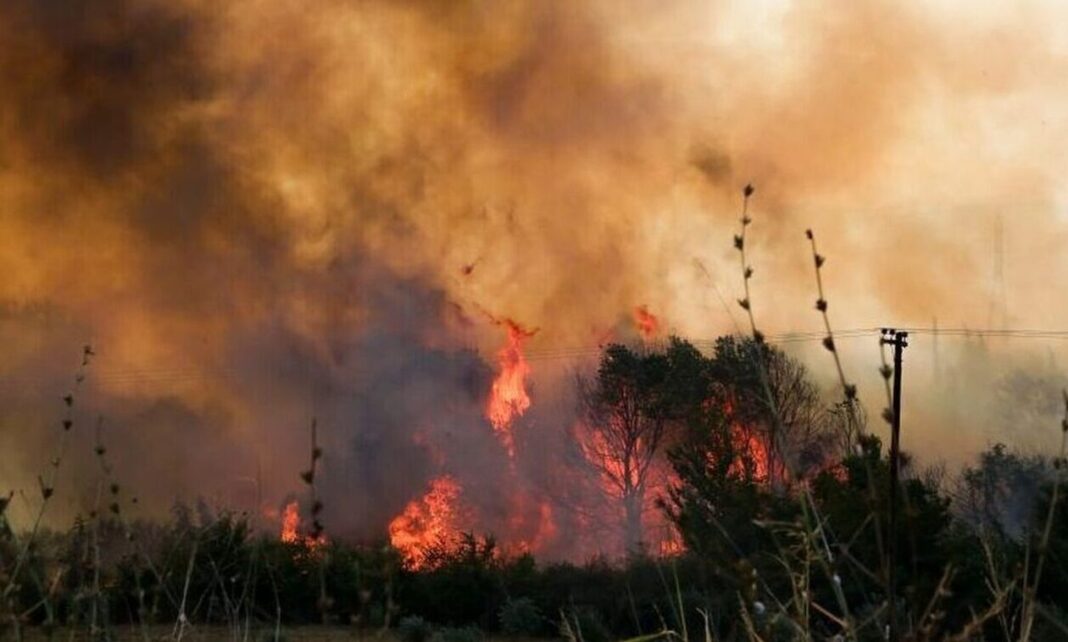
{"type": "Point", "coordinates": [224, 634]}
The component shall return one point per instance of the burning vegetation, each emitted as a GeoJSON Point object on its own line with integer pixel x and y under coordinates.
{"type": "Point", "coordinates": [430, 522]}
{"type": "Point", "coordinates": [371, 176]}
{"type": "Point", "coordinates": [508, 397]}
{"type": "Point", "coordinates": [293, 530]}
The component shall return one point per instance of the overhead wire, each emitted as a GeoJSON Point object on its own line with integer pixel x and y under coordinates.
{"type": "Point", "coordinates": [191, 373]}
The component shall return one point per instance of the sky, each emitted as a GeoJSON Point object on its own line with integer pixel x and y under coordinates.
{"type": "Point", "coordinates": [257, 212]}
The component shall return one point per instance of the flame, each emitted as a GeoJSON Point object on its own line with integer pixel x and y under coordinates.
{"type": "Point", "coordinates": [426, 522]}
{"type": "Point", "coordinates": [531, 524]}
{"type": "Point", "coordinates": [647, 322]}
{"type": "Point", "coordinates": [291, 531]}
{"type": "Point", "coordinates": [753, 458]}
{"type": "Point", "coordinates": [508, 396]}
{"type": "Point", "coordinates": [290, 523]}
{"type": "Point", "coordinates": [598, 452]}
{"type": "Point", "coordinates": [671, 543]}
{"type": "Point", "coordinates": [753, 452]}
{"type": "Point", "coordinates": [659, 535]}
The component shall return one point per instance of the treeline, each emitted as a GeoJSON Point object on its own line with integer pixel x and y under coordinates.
{"type": "Point", "coordinates": [781, 501]}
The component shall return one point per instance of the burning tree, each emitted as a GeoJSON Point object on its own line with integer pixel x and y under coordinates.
{"type": "Point", "coordinates": [799, 440]}
{"type": "Point", "coordinates": [629, 412]}
{"type": "Point", "coordinates": [736, 462]}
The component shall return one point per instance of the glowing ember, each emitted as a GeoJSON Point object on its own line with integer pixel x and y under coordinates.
{"type": "Point", "coordinates": [647, 322]}
{"type": "Point", "coordinates": [426, 522]}
{"type": "Point", "coordinates": [671, 543]}
{"type": "Point", "coordinates": [508, 396]}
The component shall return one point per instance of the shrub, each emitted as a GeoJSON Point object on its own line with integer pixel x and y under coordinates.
{"type": "Point", "coordinates": [521, 617]}
{"type": "Point", "coordinates": [458, 634]}
{"type": "Point", "coordinates": [585, 624]}
{"type": "Point", "coordinates": [413, 628]}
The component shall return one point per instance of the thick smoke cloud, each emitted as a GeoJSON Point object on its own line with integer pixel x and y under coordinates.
{"type": "Point", "coordinates": [267, 211]}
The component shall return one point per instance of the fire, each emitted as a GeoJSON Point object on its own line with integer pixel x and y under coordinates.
{"type": "Point", "coordinates": [427, 522]}
{"type": "Point", "coordinates": [647, 322]}
{"type": "Point", "coordinates": [290, 532]}
{"type": "Point", "coordinates": [671, 543]}
{"type": "Point", "coordinates": [531, 525]}
{"type": "Point", "coordinates": [508, 396]}
{"type": "Point", "coordinates": [290, 523]}
{"type": "Point", "coordinates": [753, 453]}
{"type": "Point", "coordinates": [621, 479]}
{"type": "Point", "coordinates": [614, 473]}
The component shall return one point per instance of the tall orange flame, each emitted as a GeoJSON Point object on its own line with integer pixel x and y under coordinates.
{"type": "Point", "coordinates": [290, 523]}
{"type": "Point", "coordinates": [508, 396]}
{"type": "Point", "coordinates": [290, 533]}
{"type": "Point", "coordinates": [426, 522]}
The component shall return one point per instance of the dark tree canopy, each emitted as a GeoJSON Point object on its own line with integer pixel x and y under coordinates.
{"type": "Point", "coordinates": [636, 404]}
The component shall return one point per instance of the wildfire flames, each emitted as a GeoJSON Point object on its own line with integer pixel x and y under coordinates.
{"type": "Point", "coordinates": [290, 532]}
{"type": "Point", "coordinates": [754, 453]}
{"type": "Point", "coordinates": [508, 396]}
{"type": "Point", "coordinates": [647, 322]}
{"type": "Point", "coordinates": [427, 522]}
{"type": "Point", "coordinates": [290, 523]}
{"type": "Point", "coordinates": [753, 456]}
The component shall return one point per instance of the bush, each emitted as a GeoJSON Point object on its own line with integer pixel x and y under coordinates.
{"type": "Point", "coordinates": [585, 624]}
{"type": "Point", "coordinates": [521, 617]}
{"type": "Point", "coordinates": [413, 628]}
{"type": "Point", "coordinates": [458, 634]}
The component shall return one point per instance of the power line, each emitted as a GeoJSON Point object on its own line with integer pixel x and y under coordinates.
{"type": "Point", "coordinates": [191, 374]}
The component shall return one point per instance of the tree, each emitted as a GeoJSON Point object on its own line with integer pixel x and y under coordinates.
{"type": "Point", "coordinates": [629, 411]}
{"type": "Point", "coordinates": [769, 395]}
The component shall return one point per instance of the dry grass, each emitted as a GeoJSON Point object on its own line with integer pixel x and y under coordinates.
{"type": "Point", "coordinates": [308, 633]}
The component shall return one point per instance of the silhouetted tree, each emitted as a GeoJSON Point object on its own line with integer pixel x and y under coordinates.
{"type": "Point", "coordinates": [794, 431]}
{"type": "Point", "coordinates": [630, 410]}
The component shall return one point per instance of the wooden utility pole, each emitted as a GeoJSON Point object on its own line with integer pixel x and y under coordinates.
{"type": "Point", "coordinates": [899, 341]}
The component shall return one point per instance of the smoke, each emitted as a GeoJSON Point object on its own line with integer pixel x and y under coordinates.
{"type": "Point", "coordinates": [265, 211]}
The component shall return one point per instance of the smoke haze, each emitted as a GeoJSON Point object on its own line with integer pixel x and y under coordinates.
{"type": "Point", "coordinates": [259, 212]}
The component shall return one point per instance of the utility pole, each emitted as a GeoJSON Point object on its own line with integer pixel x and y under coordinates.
{"type": "Point", "coordinates": [899, 341]}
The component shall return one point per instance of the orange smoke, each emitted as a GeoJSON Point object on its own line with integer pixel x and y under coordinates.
{"type": "Point", "coordinates": [647, 322]}
{"type": "Point", "coordinates": [619, 477]}
{"type": "Point", "coordinates": [508, 396]}
{"type": "Point", "coordinates": [427, 522]}
{"type": "Point", "coordinates": [531, 525]}
{"type": "Point", "coordinates": [615, 473]}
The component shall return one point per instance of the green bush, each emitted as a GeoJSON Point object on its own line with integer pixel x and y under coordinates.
{"type": "Point", "coordinates": [458, 634]}
{"type": "Point", "coordinates": [521, 616]}
{"type": "Point", "coordinates": [413, 628]}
